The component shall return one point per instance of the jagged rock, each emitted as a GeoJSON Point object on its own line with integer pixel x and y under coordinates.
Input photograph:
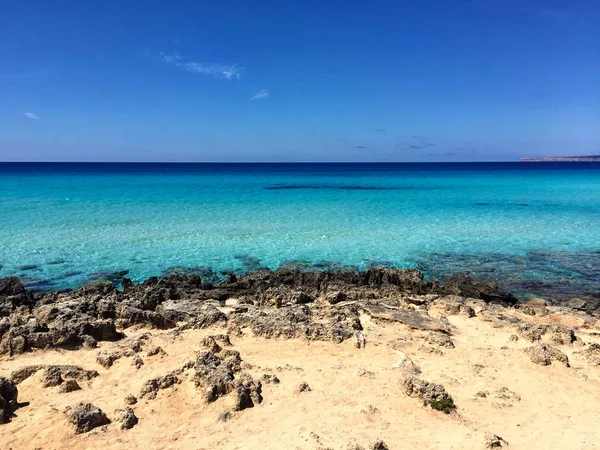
{"type": "Point", "coordinates": [151, 387]}
{"type": "Point", "coordinates": [379, 445]}
{"type": "Point", "coordinates": [156, 351]}
{"type": "Point", "coordinates": [414, 319]}
{"type": "Point", "coordinates": [130, 400]}
{"type": "Point", "coordinates": [51, 376]}
{"type": "Point", "coordinates": [106, 360]}
{"type": "Point", "coordinates": [138, 362]}
{"type": "Point", "coordinates": [210, 344]}
{"type": "Point", "coordinates": [126, 417]}
{"type": "Point", "coordinates": [432, 394]}
{"type": "Point", "coordinates": [439, 339]}
{"type": "Point", "coordinates": [544, 354]}
{"type": "Point", "coordinates": [8, 399]}
{"type": "Point", "coordinates": [303, 387]}
{"type": "Point", "coordinates": [556, 334]}
{"type": "Point", "coordinates": [51, 371]}
{"type": "Point", "coordinates": [269, 378]}
{"type": "Point", "coordinates": [86, 417]}
{"type": "Point", "coordinates": [69, 386]}
{"type": "Point", "coordinates": [592, 354]}
{"type": "Point", "coordinates": [215, 374]}
{"type": "Point", "coordinates": [493, 441]}
{"type": "Point", "coordinates": [513, 338]}
{"type": "Point", "coordinates": [336, 297]}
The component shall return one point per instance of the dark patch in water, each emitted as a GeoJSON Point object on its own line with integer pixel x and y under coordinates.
{"type": "Point", "coordinates": [28, 267]}
{"type": "Point", "coordinates": [286, 187]}
{"type": "Point", "coordinates": [498, 204]}
{"type": "Point", "coordinates": [113, 276]}
{"type": "Point", "coordinates": [557, 276]}
{"type": "Point", "coordinates": [250, 263]}
{"type": "Point", "coordinates": [56, 262]}
{"type": "Point", "coordinates": [206, 273]}
{"type": "Point", "coordinates": [374, 264]}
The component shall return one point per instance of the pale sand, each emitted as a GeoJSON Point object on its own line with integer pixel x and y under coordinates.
{"type": "Point", "coordinates": [356, 395]}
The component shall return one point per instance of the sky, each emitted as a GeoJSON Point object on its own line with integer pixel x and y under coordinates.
{"type": "Point", "coordinates": [298, 80]}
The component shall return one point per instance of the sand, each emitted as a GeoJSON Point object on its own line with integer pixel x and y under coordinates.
{"type": "Point", "coordinates": [355, 398]}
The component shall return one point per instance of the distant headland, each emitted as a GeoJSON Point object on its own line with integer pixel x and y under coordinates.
{"type": "Point", "coordinates": [591, 158]}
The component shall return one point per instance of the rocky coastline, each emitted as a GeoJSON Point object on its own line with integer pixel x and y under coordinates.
{"type": "Point", "coordinates": [221, 349]}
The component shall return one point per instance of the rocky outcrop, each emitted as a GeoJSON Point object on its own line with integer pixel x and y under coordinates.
{"type": "Point", "coordinates": [126, 418]}
{"type": "Point", "coordinates": [8, 399]}
{"type": "Point", "coordinates": [53, 375]}
{"type": "Point", "coordinates": [432, 394]}
{"type": "Point", "coordinates": [544, 355]}
{"type": "Point", "coordinates": [86, 417]}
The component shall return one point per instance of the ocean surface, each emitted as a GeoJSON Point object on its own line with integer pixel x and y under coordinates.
{"type": "Point", "coordinates": [532, 227]}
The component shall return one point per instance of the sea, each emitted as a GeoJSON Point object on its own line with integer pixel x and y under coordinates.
{"type": "Point", "coordinates": [534, 228]}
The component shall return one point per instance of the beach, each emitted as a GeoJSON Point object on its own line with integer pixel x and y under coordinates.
{"type": "Point", "coordinates": [288, 359]}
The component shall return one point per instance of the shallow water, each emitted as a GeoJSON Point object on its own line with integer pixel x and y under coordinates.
{"type": "Point", "coordinates": [534, 227]}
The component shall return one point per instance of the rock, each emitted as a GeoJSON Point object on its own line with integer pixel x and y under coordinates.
{"type": "Point", "coordinates": [8, 399]}
{"type": "Point", "coordinates": [432, 394]}
{"type": "Point", "coordinates": [592, 354]}
{"type": "Point", "coordinates": [494, 441]}
{"type": "Point", "coordinates": [465, 286]}
{"type": "Point", "coordinates": [414, 319]}
{"type": "Point", "coordinates": [157, 351]}
{"type": "Point", "coordinates": [86, 417]}
{"type": "Point", "coordinates": [151, 387]}
{"type": "Point", "coordinates": [513, 338]}
{"type": "Point", "coordinates": [126, 417]}
{"type": "Point", "coordinates": [51, 372]}
{"type": "Point", "coordinates": [130, 400]}
{"type": "Point", "coordinates": [210, 344]}
{"type": "Point", "coordinates": [106, 360]}
{"type": "Point", "coordinates": [336, 297]}
{"type": "Point", "coordinates": [544, 354]}
{"type": "Point", "coordinates": [268, 379]}
{"type": "Point", "coordinates": [303, 387]}
{"type": "Point", "coordinates": [361, 342]}
{"type": "Point", "coordinates": [138, 362]}
{"type": "Point", "coordinates": [69, 386]}
{"type": "Point", "coordinates": [439, 339]}
{"type": "Point", "coordinates": [224, 416]}
{"type": "Point", "coordinates": [51, 376]}
{"type": "Point", "coordinates": [379, 445]}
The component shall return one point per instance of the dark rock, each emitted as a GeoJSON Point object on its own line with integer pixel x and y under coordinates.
{"type": "Point", "coordinates": [138, 362]}
{"type": "Point", "coordinates": [379, 445]}
{"type": "Point", "coordinates": [268, 379]}
{"type": "Point", "coordinates": [494, 441]}
{"type": "Point", "coordinates": [303, 387]}
{"type": "Point", "coordinates": [8, 399]}
{"type": "Point", "coordinates": [336, 297]}
{"type": "Point", "coordinates": [28, 267]}
{"type": "Point", "coordinates": [126, 417]}
{"type": "Point", "coordinates": [130, 400]}
{"type": "Point", "coordinates": [86, 417]}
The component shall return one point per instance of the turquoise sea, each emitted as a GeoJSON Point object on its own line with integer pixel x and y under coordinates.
{"type": "Point", "coordinates": [533, 227]}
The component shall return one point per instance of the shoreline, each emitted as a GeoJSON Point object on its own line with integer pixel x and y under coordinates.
{"type": "Point", "coordinates": [341, 360]}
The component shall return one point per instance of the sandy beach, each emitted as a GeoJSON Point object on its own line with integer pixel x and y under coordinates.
{"type": "Point", "coordinates": [356, 368]}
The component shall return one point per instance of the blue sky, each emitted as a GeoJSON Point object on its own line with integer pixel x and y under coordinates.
{"type": "Point", "coordinates": [301, 80]}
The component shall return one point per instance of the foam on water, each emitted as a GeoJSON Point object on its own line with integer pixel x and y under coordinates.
{"type": "Point", "coordinates": [73, 220]}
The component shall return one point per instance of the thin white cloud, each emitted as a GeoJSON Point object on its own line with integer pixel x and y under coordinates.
{"type": "Point", "coordinates": [33, 116]}
{"type": "Point", "coordinates": [226, 71]}
{"type": "Point", "coordinates": [263, 93]}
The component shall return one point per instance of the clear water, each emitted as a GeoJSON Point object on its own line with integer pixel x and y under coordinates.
{"type": "Point", "coordinates": [525, 225]}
